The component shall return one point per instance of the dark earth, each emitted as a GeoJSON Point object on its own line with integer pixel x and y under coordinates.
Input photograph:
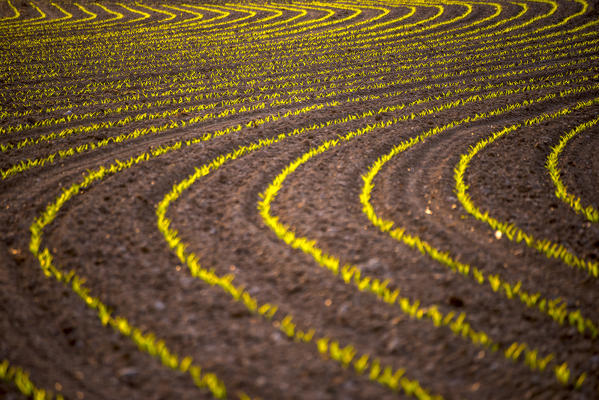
{"type": "Point", "coordinates": [347, 63]}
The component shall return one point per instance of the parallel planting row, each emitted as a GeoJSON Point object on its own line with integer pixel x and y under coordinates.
{"type": "Point", "coordinates": [357, 199]}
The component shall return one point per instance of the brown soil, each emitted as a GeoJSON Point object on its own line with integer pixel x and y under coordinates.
{"type": "Point", "coordinates": [108, 232]}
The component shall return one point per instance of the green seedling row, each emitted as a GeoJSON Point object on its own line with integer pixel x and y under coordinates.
{"type": "Point", "coordinates": [561, 191]}
{"type": "Point", "coordinates": [511, 231]}
{"type": "Point", "coordinates": [315, 57]}
{"type": "Point", "coordinates": [20, 378]}
{"type": "Point", "coordinates": [347, 356]}
{"type": "Point", "coordinates": [352, 275]}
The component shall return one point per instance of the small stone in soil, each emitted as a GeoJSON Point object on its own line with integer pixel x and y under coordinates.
{"type": "Point", "coordinates": [456, 301]}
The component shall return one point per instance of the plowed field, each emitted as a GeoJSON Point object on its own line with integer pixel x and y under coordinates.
{"type": "Point", "coordinates": [299, 200]}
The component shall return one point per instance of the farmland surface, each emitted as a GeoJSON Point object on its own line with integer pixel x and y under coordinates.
{"type": "Point", "coordinates": [299, 200]}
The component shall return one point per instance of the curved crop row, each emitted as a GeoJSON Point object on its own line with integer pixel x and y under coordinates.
{"type": "Point", "coordinates": [92, 90]}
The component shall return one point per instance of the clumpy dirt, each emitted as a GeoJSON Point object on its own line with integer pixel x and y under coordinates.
{"type": "Point", "coordinates": [108, 232]}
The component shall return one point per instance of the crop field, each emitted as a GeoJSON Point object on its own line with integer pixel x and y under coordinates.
{"type": "Point", "coordinates": [371, 199]}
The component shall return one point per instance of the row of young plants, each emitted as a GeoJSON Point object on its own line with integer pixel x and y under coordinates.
{"type": "Point", "coordinates": [319, 91]}
{"type": "Point", "coordinates": [401, 44]}
{"type": "Point", "coordinates": [458, 326]}
{"type": "Point", "coordinates": [511, 231]}
{"type": "Point", "coordinates": [25, 165]}
{"type": "Point", "coordinates": [45, 94]}
{"type": "Point", "coordinates": [352, 275]}
{"type": "Point", "coordinates": [53, 89]}
{"type": "Point", "coordinates": [347, 355]}
{"type": "Point", "coordinates": [561, 191]}
{"type": "Point", "coordinates": [386, 375]}
{"type": "Point", "coordinates": [20, 378]}
{"type": "Point", "coordinates": [555, 308]}
{"type": "Point", "coordinates": [82, 148]}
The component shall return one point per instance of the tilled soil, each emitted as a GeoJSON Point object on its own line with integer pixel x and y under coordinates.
{"type": "Point", "coordinates": [455, 75]}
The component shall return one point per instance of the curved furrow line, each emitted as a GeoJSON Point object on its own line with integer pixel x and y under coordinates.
{"type": "Point", "coordinates": [386, 37]}
{"type": "Point", "coordinates": [146, 341]}
{"type": "Point", "coordinates": [106, 23]}
{"type": "Point", "coordinates": [41, 16]}
{"type": "Point", "coordinates": [554, 308]}
{"type": "Point", "coordinates": [137, 15]}
{"type": "Point", "coordinates": [124, 328]}
{"type": "Point", "coordinates": [20, 127]}
{"type": "Point", "coordinates": [370, 21]}
{"type": "Point", "coordinates": [43, 122]}
{"type": "Point", "coordinates": [66, 16]}
{"type": "Point", "coordinates": [392, 378]}
{"type": "Point", "coordinates": [559, 309]}
{"type": "Point", "coordinates": [63, 119]}
{"type": "Point", "coordinates": [511, 231]}
{"type": "Point", "coordinates": [196, 16]}
{"type": "Point", "coordinates": [20, 378]}
{"type": "Point", "coordinates": [352, 274]}
{"type": "Point", "coordinates": [278, 85]}
{"type": "Point", "coordinates": [416, 192]}
{"type": "Point", "coordinates": [23, 165]}
{"type": "Point", "coordinates": [16, 12]}
{"type": "Point", "coordinates": [502, 41]}
{"type": "Point", "coordinates": [561, 191]}
{"type": "Point", "coordinates": [122, 122]}
{"type": "Point", "coordinates": [21, 29]}
{"type": "Point", "coordinates": [386, 375]}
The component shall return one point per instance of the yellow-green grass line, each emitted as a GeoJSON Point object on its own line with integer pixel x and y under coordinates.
{"type": "Point", "coordinates": [561, 191]}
